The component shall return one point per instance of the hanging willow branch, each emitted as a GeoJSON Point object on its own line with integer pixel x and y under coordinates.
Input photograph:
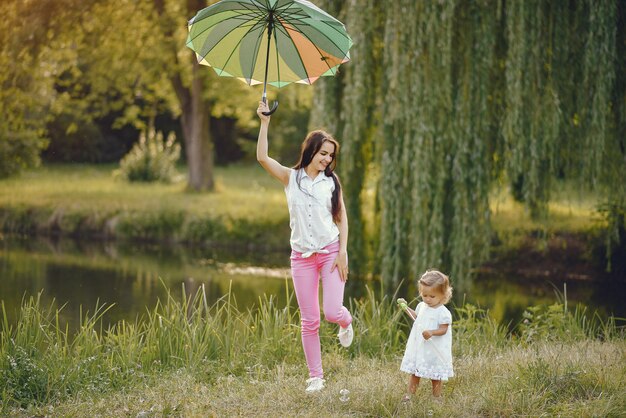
{"type": "Point", "coordinates": [533, 116]}
{"type": "Point", "coordinates": [328, 91]}
{"type": "Point", "coordinates": [358, 110]}
{"type": "Point", "coordinates": [394, 189]}
{"type": "Point", "coordinates": [435, 167]}
{"type": "Point", "coordinates": [599, 77]}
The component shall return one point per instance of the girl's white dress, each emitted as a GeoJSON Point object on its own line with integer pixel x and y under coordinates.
{"type": "Point", "coordinates": [430, 358]}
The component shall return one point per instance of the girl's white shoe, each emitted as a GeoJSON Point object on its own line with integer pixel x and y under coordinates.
{"type": "Point", "coordinates": [314, 384]}
{"type": "Point", "coordinates": [346, 335]}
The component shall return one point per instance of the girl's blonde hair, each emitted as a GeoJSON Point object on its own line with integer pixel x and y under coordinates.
{"type": "Point", "coordinates": [439, 281]}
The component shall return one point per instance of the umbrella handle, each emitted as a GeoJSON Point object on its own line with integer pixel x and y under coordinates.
{"type": "Point", "coordinates": [272, 110]}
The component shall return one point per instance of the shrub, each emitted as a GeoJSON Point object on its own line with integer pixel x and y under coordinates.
{"type": "Point", "coordinates": [151, 159]}
{"type": "Point", "coordinates": [19, 151]}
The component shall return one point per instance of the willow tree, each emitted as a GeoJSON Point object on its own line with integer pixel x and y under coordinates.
{"type": "Point", "coordinates": [344, 106]}
{"type": "Point", "coordinates": [473, 92]}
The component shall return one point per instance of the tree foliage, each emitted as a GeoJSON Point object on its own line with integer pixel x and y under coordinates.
{"type": "Point", "coordinates": [24, 29]}
{"type": "Point", "coordinates": [69, 65]}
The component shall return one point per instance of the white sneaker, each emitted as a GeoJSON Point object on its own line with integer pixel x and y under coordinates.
{"type": "Point", "coordinates": [314, 384]}
{"type": "Point", "coordinates": [346, 335]}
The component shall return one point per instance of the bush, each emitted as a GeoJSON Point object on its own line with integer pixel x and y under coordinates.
{"type": "Point", "coordinates": [19, 151]}
{"type": "Point", "coordinates": [151, 159]}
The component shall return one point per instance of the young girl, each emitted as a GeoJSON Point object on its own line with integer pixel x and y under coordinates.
{"type": "Point", "coordinates": [429, 347]}
{"type": "Point", "coordinates": [319, 238]}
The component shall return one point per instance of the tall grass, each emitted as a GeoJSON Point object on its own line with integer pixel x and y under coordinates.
{"type": "Point", "coordinates": [41, 362]}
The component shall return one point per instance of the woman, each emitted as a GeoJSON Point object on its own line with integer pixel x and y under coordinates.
{"type": "Point", "coordinates": [319, 238]}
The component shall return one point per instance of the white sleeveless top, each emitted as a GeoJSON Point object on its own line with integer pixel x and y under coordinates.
{"type": "Point", "coordinates": [310, 211]}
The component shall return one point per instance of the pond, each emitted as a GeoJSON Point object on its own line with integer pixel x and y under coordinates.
{"type": "Point", "coordinates": [132, 277]}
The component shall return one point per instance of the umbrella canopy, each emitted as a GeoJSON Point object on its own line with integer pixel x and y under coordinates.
{"type": "Point", "coordinates": [274, 42]}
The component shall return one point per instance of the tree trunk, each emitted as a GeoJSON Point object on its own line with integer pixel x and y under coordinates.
{"type": "Point", "coordinates": [195, 110]}
{"type": "Point", "coordinates": [198, 144]}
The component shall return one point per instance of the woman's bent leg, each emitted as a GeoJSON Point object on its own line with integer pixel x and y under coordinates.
{"type": "Point", "coordinates": [333, 289]}
{"type": "Point", "coordinates": [306, 284]}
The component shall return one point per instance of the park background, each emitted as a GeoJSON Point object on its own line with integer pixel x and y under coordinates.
{"type": "Point", "coordinates": [486, 138]}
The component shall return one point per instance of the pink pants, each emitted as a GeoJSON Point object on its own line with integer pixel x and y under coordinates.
{"type": "Point", "coordinates": [306, 276]}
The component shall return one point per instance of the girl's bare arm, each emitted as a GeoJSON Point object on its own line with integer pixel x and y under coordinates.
{"type": "Point", "coordinates": [443, 328]}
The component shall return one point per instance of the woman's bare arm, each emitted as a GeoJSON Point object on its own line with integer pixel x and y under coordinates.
{"type": "Point", "coordinates": [270, 165]}
{"type": "Point", "coordinates": [341, 262]}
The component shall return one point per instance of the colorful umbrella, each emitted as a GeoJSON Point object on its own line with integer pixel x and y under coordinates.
{"type": "Point", "coordinates": [276, 42]}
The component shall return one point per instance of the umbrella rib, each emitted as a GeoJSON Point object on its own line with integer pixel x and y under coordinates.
{"type": "Point", "coordinates": [253, 24]}
{"type": "Point", "coordinates": [280, 19]}
{"type": "Point", "coordinates": [239, 42]}
{"type": "Point", "coordinates": [301, 23]}
{"type": "Point", "coordinates": [300, 16]}
{"type": "Point", "coordinates": [262, 13]}
{"type": "Point", "coordinates": [244, 6]}
{"type": "Point", "coordinates": [277, 57]}
{"type": "Point", "coordinates": [241, 16]}
{"type": "Point", "coordinates": [256, 56]}
{"type": "Point", "coordinates": [295, 28]}
{"type": "Point", "coordinates": [292, 19]}
{"type": "Point", "coordinates": [218, 42]}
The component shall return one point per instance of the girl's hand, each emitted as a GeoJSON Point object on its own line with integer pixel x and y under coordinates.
{"type": "Point", "coordinates": [341, 263]}
{"type": "Point", "coordinates": [263, 107]}
{"type": "Point", "coordinates": [427, 334]}
{"type": "Point", "coordinates": [402, 304]}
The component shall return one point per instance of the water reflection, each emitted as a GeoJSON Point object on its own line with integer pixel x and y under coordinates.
{"type": "Point", "coordinates": [134, 277]}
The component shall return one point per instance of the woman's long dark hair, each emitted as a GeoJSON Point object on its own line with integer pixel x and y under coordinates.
{"type": "Point", "coordinates": [311, 146]}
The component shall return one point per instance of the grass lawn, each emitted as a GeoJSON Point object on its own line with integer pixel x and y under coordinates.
{"type": "Point", "coordinates": [584, 379]}
{"type": "Point", "coordinates": [245, 191]}
{"type": "Point", "coordinates": [242, 191]}
{"type": "Point", "coordinates": [190, 360]}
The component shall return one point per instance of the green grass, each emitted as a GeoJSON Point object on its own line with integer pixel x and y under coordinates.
{"type": "Point", "coordinates": [190, 358]}
{"type": "Point", "coordinates": [571, 209]}
{"type": "Point", "coordinates": [242, 191]}
{"type": "Point", "coordinates": [516, 382]}
{"type": "Point", "coordinates": [248, 206]}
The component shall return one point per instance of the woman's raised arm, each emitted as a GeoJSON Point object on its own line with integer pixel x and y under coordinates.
{"type": "Point", "coordinates": [270, 165]}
